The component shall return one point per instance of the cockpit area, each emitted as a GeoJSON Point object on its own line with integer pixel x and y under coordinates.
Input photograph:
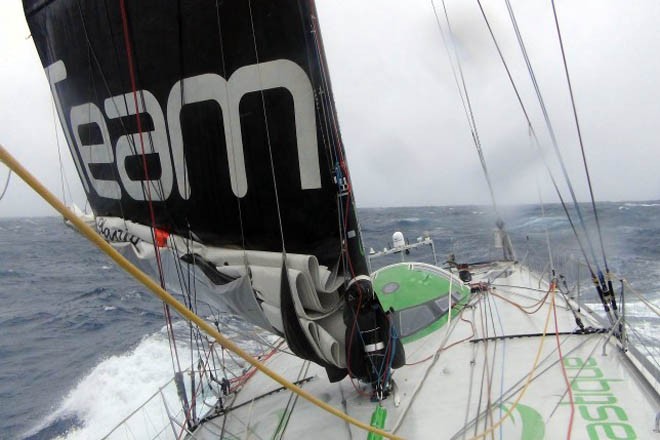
{"type": "Point", "coordinates": [419, 296]}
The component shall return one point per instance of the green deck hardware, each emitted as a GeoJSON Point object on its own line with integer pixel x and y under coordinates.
{"type": "Point", "coordinates": [377, 421]}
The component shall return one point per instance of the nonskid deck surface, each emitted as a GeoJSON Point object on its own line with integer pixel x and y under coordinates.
{"type": "Point", "coordinates": [510, 362]}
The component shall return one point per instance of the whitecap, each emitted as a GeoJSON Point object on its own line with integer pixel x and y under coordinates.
{"type": "Point", "coordinates": [115, 387]}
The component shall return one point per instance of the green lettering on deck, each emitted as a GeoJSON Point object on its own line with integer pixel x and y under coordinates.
{"type": "Point", "coordinates": [612, 431]}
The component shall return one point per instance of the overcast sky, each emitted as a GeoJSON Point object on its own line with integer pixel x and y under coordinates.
{"type": "Point", "coordinates": [405, 132]}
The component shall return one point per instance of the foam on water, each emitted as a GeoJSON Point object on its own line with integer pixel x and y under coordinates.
{"type": "Point", "coordinates": [114, 388]}
{"type": "Point", "coordinates": [111, 368]}
{"type": "Point", "coordinates": [631, 206]}
{"type": "Point", "coordinates": [118, 385]}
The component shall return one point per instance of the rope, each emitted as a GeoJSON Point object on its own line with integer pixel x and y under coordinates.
{"type": "Point", "coordinates": [551, 131]}
{"type": "Point", "coordinates": [92, 52]}
{"type": "Point", "coordinates": [106, 85]}
{"type": "Point", "coordinates": [332, 135]}
{"type": "Point", "coordinates": [138, 120]}
{"type": "Point", "coordinates": [537, 306]}
{"type": "Point", "coordinates": [158, 291]}
{"type": "Point", "coordinates": [484, 332]}
{"type": "Point", "coordinates": [231, 130]}
{"type": "Point", "coordinates": [563, 370]}
{"type": "Point", "coordinates": [467, 105]}
{"type": "Point", "coordinates": [579, 133]}
{"type": "Point", "coordinates": [536, 140]}
{"type": "Point", "coordinates": [530, 376]}
{"type": "Point", "coordinates": [131, 71]}
{"type": "Point", "coordinates": [63, 182]}
{"type": "Point", "coordinates": [342, 174]}
{"type": "Point", "coordinates": [4, 190]}
{"type": "Point", "coordinates": [268, 141]}
{"type": "Point", "coordinates": [503, 332]}
{"type": "Point", "coordinates": [545, 225]}
{"type": "Point", "coordinates": [200, 385]}
{"type": "Point", "coordinates": [419, 385]}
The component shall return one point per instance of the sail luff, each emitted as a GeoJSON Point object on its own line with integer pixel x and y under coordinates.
{"type": "Point", "coordinates": [350, 224]}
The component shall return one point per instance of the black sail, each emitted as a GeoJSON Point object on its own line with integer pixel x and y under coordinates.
{"type": "Point", "coordinates": [238, 129]}
{"type": "Point", "coordinates": [213, 123]}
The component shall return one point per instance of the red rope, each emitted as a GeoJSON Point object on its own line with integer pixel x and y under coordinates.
{"type": "Point", "coordinates": [131, 71]}
{"type": "Point", "coordinates": [350, 345]}
{"type": "Point", "coordinates": [453, 344]}
{"type": "Point", "coordinates": [563, 369]}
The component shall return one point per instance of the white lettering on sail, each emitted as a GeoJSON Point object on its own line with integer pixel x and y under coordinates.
{"type": "Point", "coordinates": [55, 73]}
{"type": "Point", "coordinates": [155, 141]}
{"type": "Point", "coordinates": [228, 94]}
{"type": "Point", "coordinates": [97, 153]}
{"type": "Point", "coordinates": [206, 87]}
{"type": "Point", "coordinates": [289, 75]}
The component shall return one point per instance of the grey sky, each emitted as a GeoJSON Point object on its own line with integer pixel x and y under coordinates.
{"type": "Point", "coordinates": [405, 132]}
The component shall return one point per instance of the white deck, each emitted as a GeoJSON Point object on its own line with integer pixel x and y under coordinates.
{"type": "Point", "coordinates": [465, 390]}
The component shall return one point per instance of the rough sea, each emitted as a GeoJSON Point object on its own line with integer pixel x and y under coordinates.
{"type": "Point", "coordinates": [82, 344]}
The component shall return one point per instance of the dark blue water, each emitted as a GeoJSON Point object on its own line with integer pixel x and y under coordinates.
{"type": "Point", "coordinates": [79, 339]}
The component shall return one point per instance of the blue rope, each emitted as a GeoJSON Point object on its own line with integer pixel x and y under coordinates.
{"type": "Point", "coordinates": [393, 339]}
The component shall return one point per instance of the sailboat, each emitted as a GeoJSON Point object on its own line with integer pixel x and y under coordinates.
{"type": "Point", "coordinates": [206, 139]}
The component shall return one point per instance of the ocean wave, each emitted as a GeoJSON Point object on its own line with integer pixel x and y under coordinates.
{"type": "Point", "coordinates": [642, 205]}
{"type": "Point", "coordinates": [114, 388]}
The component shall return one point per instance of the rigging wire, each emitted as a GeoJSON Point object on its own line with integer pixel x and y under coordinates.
{"type": "Point", "coordinates": [545, 226]}
{"type": "Point", "coordinates": [342, 175]}
{"type": "Point", "coordinates": [106, 85]}
{"type": "Point", "coordinates": [594, 276]}
{"type": "Point", "coordinates": [332, 135]}
{"type": "Point", "coordinates": [652, 307]}
{"type": "Point", "coordinates": [223, 66]}
{"type": "Point", "coordinates": [270, 152]}
{"type": "Point", "coordinates": [132, 146]}
{"type": "Point", "coordinates": [131, 70]}
{"type": "Point", "coordinates": [553, 138]}
{"type": "Point", "coordinates": [63, 182]}
{"type": "Point", "coordinates": [465, 100]}
{"type": "Point", "coordinates": [579, 133]}
{"type": "Point", "coordinates": [268, 137]}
